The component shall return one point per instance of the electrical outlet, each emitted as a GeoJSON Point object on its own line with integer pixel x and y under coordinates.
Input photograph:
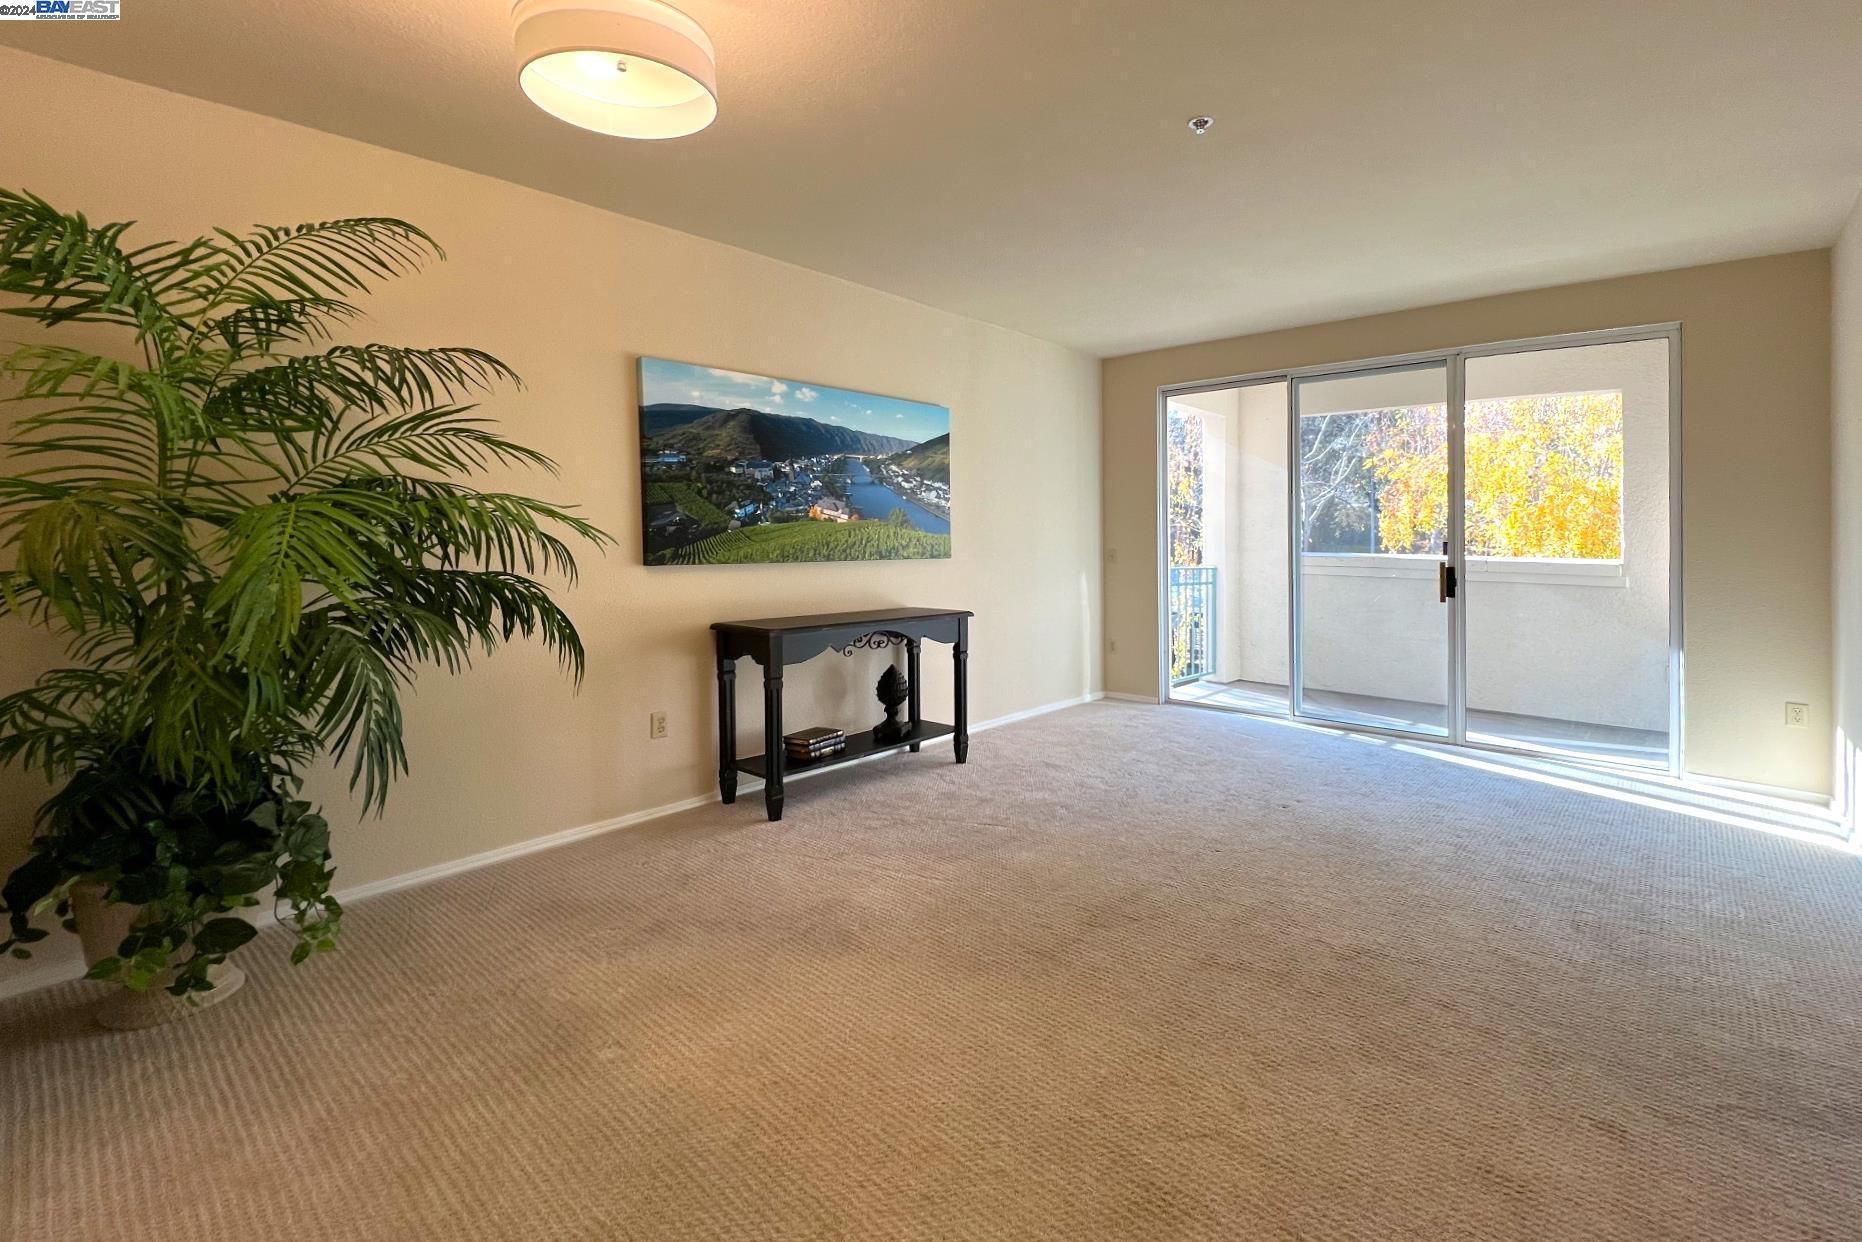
{"type": "Point", "coordinates": [1111, 556]}
{"type": "Point", "coordinates": [1112, 646]}
{"type": "Point", "coordinates": [656, 725]}
{"type": "Point", "coordinates": [1797, 715]}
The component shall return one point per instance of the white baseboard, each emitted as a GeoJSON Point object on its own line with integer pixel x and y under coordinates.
{"type": "Point", "coordinates": [1758, 789]}
{"type": "Point", "coordinates": [1031, 712]}
{"type": "Point", "coordinates": [1131, 698]}
{"type": "Point", "coordinates": [530, 845]}
{"type": "Point", "coordinates": [64, 964]}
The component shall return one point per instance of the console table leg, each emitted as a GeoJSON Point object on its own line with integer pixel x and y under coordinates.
{"type": "Point", "coordinates": [773, 753]}
{"type": "Point", "coordinates": [960, 656]}
{"type": "Point", "coordinates": [911, 676]}
{"type": "Point", "coordinates": [727, 725]}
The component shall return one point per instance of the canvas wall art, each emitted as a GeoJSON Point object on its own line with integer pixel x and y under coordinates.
{"type": "Point", "coordinates": [748, 469]}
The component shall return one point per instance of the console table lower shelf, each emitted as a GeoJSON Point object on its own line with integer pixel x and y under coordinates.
{"type": "Point", "coordinates": [859, 746]}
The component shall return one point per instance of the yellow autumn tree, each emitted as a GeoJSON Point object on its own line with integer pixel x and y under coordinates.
{"type": "Point", "coordinates": [1544, 476]}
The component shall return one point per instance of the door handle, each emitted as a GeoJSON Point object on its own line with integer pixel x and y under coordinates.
{"type": "Point", "coordinates": [1444, 582]}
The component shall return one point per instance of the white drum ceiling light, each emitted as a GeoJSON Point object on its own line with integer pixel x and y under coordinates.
{"type": "Point", "coordinates": [631, 68]}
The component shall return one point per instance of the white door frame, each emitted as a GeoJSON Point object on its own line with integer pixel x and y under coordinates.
{"type": "Point", "coordinates": [1456, 362]}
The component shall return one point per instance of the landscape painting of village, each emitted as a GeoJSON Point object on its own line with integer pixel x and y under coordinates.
{"type": "Point", "coordinates": [741, 469]}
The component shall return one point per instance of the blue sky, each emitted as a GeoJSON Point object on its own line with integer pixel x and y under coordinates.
{"type": "Point", "coordinates": [681, 382]}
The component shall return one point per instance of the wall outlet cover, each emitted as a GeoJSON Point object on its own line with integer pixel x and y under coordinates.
{"type": "Point", "coordinates": [1797, 715]}
{"type": "Point", "coordinates": [656, 725]}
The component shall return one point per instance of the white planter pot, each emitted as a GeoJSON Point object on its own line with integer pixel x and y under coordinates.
{"type": "Point", "coordinates": [101, 927]}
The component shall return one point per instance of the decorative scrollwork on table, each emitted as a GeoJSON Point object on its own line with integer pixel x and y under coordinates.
{"type": "Point", "coordinates": [878, 640]}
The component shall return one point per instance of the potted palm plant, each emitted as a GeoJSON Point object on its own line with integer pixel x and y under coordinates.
{"type": "Point", "coordinates": [250, 538]}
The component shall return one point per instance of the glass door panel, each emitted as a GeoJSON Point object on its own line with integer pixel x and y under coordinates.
{"type": "Point", "coordinates": [1373, 567]}
{"type": "Point", "coordinates": [1226, 538]}
{"type": "Point", "coordinates": [1568, 545]}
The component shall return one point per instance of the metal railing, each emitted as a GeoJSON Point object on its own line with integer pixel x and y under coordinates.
{"type": "Point", "coordinates": [1192, 622]}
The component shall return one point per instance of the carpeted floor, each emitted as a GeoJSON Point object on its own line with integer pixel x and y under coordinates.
{"type": "Point", "coordinates": [1133, 973]}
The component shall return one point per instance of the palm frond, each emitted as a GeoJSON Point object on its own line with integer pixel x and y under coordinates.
{"type": "Point", "coordinates": [384, 377]}
{"type": "Point", "coordinates": [52, 726]}
{"type": "Point", "coordinates": [265, 322]}
{"type": "Point", "coordinates": [331, 540]}
{"type": "Point", "coordinates": [439, 616]}
{"type": "Point", "coordinates": [333, 258]}
{"type": "Point", "coordinates": [356, 656]}
{"type": "Point", "coordinates": [84, 440]}
{"type": "Point", "coordinates": [375, 379]}
{"type": "Point", "coordinates": [43, 372]}
{"type": "Point", "coordinates": [443, 439]}
{"type": "Point", "coordinates": [352, 685]}
{"type": "Point", "coordinates": [199, 716]}
{"type": "Point", "coordinates": [100, 387]}
{"type": "Point", "coordinates": [493, 607]}
{"type": "Point", "coordinates": [315, 395]}
{"type": "Point", "coordinates": [88, 550]}
{"type": "Point", "coordinates": [70, 270]}
{"type": "Point", "coordinates": [464, 528]}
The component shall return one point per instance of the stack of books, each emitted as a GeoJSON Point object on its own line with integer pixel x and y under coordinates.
{"type": "Point", "coordinates": [812, 744]}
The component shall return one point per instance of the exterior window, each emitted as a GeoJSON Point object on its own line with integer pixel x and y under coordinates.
{"type": "Point", "coordinates": [1544, 479]}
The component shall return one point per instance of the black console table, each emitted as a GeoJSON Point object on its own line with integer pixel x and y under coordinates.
{"type": "Point", "coordinates": [776, 642]}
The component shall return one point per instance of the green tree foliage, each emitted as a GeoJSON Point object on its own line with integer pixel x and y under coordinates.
{"type": "Point", "coordinates": [251, 537]}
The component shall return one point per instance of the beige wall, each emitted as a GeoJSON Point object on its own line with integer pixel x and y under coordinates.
{"type": "Point", "coordinates": [1755, 482]}
{"type": "Point", "coordinates": [1846, 446]}
{"type": "Point", "coordinates": [569, 295]}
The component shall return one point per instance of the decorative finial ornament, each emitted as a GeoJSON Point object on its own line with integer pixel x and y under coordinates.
{"type": "Point", "coordinates": [893, 690]}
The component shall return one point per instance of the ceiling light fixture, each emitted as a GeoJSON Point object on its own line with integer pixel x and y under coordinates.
{"type": "Point", "coordinates": [630, 68]}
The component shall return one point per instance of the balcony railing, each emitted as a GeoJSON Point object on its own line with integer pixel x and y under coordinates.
{"type": "Point", "coordinates": [1192, 622]}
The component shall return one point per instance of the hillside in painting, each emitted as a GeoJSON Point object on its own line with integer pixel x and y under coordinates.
{"type": "Point", "coordinates": [664, 416]}
{"type": "Point", "coordinates": [929, 460]}
{"type": "Point", "coordinates": [747, 433]}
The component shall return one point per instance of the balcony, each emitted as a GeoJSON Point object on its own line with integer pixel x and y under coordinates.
{"type": "Point", "coordinates": [1374, 651]}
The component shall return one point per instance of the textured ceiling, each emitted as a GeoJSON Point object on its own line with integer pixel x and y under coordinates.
{"type": "Point", "coordinates": [1026, 162]}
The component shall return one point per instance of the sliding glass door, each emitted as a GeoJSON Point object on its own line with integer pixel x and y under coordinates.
{"type": "Point", "coordinates": [1371, 548]}
{"type": "Point", "coordinates": [1568, 605]}
{"type": "Point", "coordinates": [1475, 546]}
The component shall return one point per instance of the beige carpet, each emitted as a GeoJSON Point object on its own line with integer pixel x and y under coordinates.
{"type": "Point", "coordinates": [1133, 973]}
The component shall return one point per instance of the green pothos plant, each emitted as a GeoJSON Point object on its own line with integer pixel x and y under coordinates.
{"type": "Point", "coordinates": [250, 538]}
